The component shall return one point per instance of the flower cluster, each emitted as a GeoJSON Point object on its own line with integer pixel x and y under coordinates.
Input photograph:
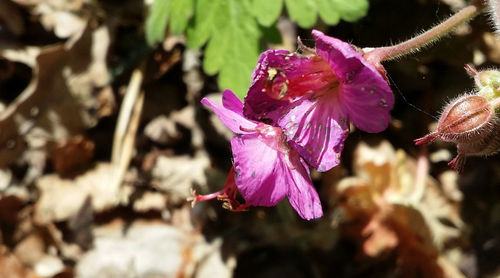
{"type": "Point", "coordinates": [297, 114]}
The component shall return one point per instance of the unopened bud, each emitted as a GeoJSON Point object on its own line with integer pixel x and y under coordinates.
{"type": "Point", "coordinates": [487, 82]}
{"type": "Point", "coordinates": [471, 122]}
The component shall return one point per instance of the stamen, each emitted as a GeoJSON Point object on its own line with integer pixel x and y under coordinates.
{"type": "Point", "coordinates": [226, 195]}
{"type": "Point", "coordinates": [305, 48]}
{"type": "Point", "coordinates": [195, 198]}
{"type": "Point", "coordinates": [248, 129]}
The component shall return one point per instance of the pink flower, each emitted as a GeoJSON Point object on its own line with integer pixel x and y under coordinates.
{"type": "Point", "coordinates": [313, 97]}
{"type": "Point", "coordinates": [266, 168]}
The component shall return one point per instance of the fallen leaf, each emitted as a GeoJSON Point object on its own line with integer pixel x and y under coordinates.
{"type": "Point", "coordinates": [10, 267]}
{"type": "Point", "coordinates": [60, 99]}
{"type": "Point", "coordinates": [145, 249]}
{"type": "Point", "coordinates": [390, 209]}
{"type": "Point", "coordinates": [61, 199]}
{"type": "Point", "coordinates": [70, 155]}
{"type": "Point", "coordinates": [177, 175]}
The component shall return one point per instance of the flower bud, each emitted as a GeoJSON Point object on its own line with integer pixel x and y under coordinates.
{"type": "Point", "coordinates": [487, 82]}
{"type": "Point", "coordinates": [471, 122]}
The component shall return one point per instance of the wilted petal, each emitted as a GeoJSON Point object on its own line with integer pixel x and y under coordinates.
{"type": "Point", "coordinates": [257, 167]}
{"type": "Point", "coordinates": [230, 118]}
{"type": "Point", "coordinates": [317, 131]}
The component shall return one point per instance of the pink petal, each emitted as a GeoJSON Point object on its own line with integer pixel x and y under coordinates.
{"type": "Point", "coordinates": [279, 78]}
{"type": "Point", "coordinates": [257, 167]}
{"type": "Point", "coordinates": [315, 128]}
{"type": "Point", "coordinates": [367, 101]}
{"type": "Point", "coordinates": [301, 193]}
{"type": "Point", "coordinates": [258, 104]}
{"type": "Point", "coordinates": [264, 176]}
{"type": "Point", "coordinates": [232, 102]}
{"type": "Point", "coordinates": [365, 95]}
{"type": "Point", "coordinates": [233, 120]}
{"type": "Point", "coordinates": [344, 60]}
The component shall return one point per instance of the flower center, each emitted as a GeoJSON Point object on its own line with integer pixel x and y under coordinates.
{"type": "Point", "coordinates": [306, 76]}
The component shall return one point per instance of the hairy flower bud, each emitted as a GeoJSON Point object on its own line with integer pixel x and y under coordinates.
{"type": "Point", "coordinates": [471, 122]}
{"type": "Point", "coordinates": [487, 82]}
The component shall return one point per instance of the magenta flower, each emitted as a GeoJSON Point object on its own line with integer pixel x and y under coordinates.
{"type": "Point", "coordinates": [266, 168]}
{"type": "Point", "coordinates": [312, 98]}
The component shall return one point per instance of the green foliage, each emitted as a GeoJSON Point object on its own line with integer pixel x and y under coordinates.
{"type": "Point", "coordinates": [233, 42]}
{"type": "Point", "coordinates": [267, 12]}
{"type": "Point", "coordinates": [174, 13]}
{"type": "Point", "coordinates": [233, 29]}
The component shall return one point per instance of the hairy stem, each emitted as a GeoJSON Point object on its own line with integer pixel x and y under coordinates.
{"type": "Point", "coordinates": [380, 54]}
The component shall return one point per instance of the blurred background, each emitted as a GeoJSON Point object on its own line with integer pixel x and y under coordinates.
{"type": "Point", "coordinates": [102, 138]}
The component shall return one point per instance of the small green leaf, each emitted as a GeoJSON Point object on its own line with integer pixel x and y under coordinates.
{"type": "Point", "coordinates": [302, 11]}
{"type": "Point", "coordinates": [156, 22]}
{"type": "Point", "coordinates": [233, 42]}
{"type": "Point", "coordinates": [351, 10]}
{"type": "Point", "coordinates": [328, 12]}
{"type": "Point", "coordinates": [181, 11]}
{"type": "Point", "coordinates": [175, 13]}
{"type": "Point", "coordinates": [267, 11]}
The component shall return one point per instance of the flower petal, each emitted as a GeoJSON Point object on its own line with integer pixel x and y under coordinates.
{"type": "Point", "coordinates": [365, 95]}
{"type": "Point", "coordinates": [233, 120]}
{"type": "Point", "coordinates": [341, 56]}
{"type": "Point", "coordinates": [258, 104]}
{"type": "Point", "coordinates": [368, 101]}
{"type": "Point", "coordinates": [257, 169]}
{"type": "Point", "coordinates": [317, 131]}
{"type": "Point", "coordinates": [232, 102]}
{"type": "Point", "coordinates": [279, 78]}
{"type": "Point", "coordinates": [301, 193]}
{"type": "Point", "coordinates": [264, 176]}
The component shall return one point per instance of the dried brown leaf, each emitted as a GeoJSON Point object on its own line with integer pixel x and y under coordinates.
{"type": "Point", "coordinates": [177, 175]}
{"type": "Point", "coordinates": [61, 199]}
{"type": "Point", "coordinates": [70, 155]}
{"type": "Point", "coordinates": [60, 100]}
{"type": "Point", "coordinates": [391, 208]}
{"type": "Point", "coordinates": [11, 267]}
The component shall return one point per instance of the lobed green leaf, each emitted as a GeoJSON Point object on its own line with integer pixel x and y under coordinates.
{"type": "Point", "coordinates": [163, 13]}
{"type": "Point", "coordinates": [156, 22]}
{"type": "Point", "coordinates": [266, 11]}
{"type": "Point", "coordinates": [232, 29]}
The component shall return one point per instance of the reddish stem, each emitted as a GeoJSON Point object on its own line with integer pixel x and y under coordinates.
{"type": "Point", "coordinates": [380, 54]}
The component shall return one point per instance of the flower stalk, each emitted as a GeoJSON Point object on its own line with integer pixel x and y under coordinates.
{"type": "Point", "coordinates": [385, 53]}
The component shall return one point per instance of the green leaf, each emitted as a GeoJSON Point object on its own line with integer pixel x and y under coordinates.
{"type": "Point", "coordinates": [351, 10]}
{"type": "Point", "coordinates": [181, 11]}
{"type": "Point", "coordinates": [267, 11]}
{"type": "Point", "coordinates": [233, 41]}
{"type": "Point", "coordinates": [302, 11]}
{"type": "Point", "coordinates": [328, 12]}
{"type": "Point", "coordinates": [175, 13]}
{"type": "Point", "coordinates": [156, 22]}
{"type": "Point", "coordinates": [206, 11]}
